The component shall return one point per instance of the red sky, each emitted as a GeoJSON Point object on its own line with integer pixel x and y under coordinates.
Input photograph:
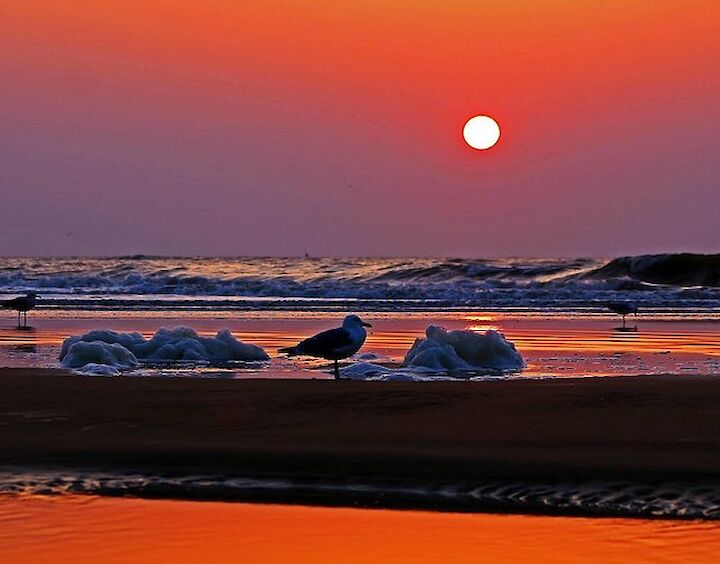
{"type": "Point", "coordinates": [222, 127]}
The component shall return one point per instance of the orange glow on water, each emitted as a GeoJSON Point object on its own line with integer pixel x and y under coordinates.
{"type": "Point", "coordinates": [91, 530]}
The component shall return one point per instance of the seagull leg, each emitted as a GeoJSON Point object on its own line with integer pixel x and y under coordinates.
{"type": "Point", "coordinates": [623, 320]}
{"type": "Point", "coordinates": [337, 371]}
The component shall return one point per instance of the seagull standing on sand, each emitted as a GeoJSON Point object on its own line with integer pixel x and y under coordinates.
{"type": "Point", "coordinates": [23, 304]}
{"type": "Point", "coordinates": [623, 308]}
{"type": "Point", "coordinates": [334, 344]}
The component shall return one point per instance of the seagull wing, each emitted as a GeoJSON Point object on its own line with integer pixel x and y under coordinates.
{"type": "Point", "coordinates": [15, 303]}
{"type": "Point", "coordinates": [325, 343]}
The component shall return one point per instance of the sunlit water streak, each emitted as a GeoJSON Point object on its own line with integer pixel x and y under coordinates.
{"type": "Point", "coordinates": [88, 529]}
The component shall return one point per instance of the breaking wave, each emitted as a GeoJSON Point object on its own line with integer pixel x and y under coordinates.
{"type": "Point", "coordinates": [673, 270]}
{"type": "Point", "coordinates": [669, 280]}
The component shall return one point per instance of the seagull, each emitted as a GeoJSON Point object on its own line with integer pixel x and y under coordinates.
{"type": "Point", "coordinates": [622, 308]}
{"type": "Point", "coordinates": [23, 304]}
{"type": "Point", "coordinates": [334, 344]}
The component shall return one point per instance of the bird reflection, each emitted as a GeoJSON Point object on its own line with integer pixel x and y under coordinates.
{"type": "Point", "coordinates": [19, 339]}
{"type": "Point", "coordinates": [24, 349]}
{"type": "Point", "coordinates": [624, 309]}
{"type": "Point", "coordinates": [626, 329]}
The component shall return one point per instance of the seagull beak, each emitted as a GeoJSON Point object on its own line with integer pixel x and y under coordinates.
{"type": "Point", "coordinates": [364, 324]}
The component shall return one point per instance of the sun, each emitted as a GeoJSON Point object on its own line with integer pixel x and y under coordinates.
{"type": "Point", "coordinates": [481, 132]}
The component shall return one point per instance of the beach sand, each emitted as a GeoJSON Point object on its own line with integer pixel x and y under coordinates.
{"type": "Point", "coordinates": [623, 427]}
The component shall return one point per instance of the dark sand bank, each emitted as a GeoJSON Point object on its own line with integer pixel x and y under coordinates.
{"type": "Point", "coordinates": [659, 428]}
{"type": "Point", "coordinates": [661, 424]}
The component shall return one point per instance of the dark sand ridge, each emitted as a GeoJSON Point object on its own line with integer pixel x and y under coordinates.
{"type": "Point", "coordinates": [659, 426]}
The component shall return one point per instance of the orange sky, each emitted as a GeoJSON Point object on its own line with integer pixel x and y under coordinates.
{"type": "Point", "coordinates": [225, 127]}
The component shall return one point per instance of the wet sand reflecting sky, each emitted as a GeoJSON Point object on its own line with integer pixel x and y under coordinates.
{"type": "Point", "coordinates": [87, 529]}
{"type": "Point", "coordinates": [553, 346]}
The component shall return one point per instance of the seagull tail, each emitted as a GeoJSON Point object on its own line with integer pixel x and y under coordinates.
{"type": "Point", "coordinates": [290, 351]}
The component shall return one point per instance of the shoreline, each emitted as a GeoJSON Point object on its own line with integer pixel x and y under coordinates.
{"type": "Point", "coordinates": [384, 439]}
{"type": "Point", "coordinates": [551, 347]}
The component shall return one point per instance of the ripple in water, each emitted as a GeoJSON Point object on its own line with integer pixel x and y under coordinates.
{"type": "Point", "coordinates": [672, 499]}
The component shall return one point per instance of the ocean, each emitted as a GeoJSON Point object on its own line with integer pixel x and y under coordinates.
{"type": "Point", "coordinates": [657, 283]}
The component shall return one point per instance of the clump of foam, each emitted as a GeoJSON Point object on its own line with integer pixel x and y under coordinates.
{"type": "Point", "coordinates": [96, 357]}
{"type": "Point", "coordinates": [364, 371]}
{"type": "Point", "coordinates": [463, 350]}
{"type": "Point", "coordinates": [372, 371]}
{"type": "Point", "coordinates": [123, 351]}
{"type": "Point", "coordinates": [441, 352]}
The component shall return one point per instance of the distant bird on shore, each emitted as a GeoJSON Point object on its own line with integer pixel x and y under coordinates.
{"type": "Point", "coordinates": [334, 344]}
{"type": "Point", "coordinates": [22, 305]}
{"type": "Point", "coordinates": [622, 308]}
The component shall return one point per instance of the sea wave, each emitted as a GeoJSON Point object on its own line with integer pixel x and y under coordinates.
{"type": "Point", "coordinates": [670, 280]}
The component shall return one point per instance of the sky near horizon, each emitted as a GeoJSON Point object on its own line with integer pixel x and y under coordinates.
{"type": "Point", "coordinates": [223, 127]}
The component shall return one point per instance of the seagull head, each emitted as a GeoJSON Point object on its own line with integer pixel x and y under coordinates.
{"type": "Point", "coordinates": [354, 321]}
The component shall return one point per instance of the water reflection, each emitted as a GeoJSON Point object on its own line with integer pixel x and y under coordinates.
{"type": "Point", "coordinates": [24, 349]}
{"type": "Point", "coordinates": [86, 529]}
{"type": "Point", "coordinates": [18, 336]}
{"type": "Point", "coordinates": [626, 329]}
{"type": "Point", "coordinates": [18, 346]}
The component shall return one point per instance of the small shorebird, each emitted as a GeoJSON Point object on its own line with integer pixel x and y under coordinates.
{"type": "Point", "coordinates": [22, 305]}
{"type": "Point", "coordinates": [622, 308]}
{"type": "Point", "coordinates": [334, 344]}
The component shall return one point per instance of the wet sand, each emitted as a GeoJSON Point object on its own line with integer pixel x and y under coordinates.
{"type": "Point", "coordinates": [623, 427]}
{"type": "Point", "coordinates": [557, 346]}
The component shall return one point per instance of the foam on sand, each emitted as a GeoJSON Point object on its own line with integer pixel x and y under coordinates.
{"type": "Point", "coordinates": [96, 357]}
{"type": "Point", "coordinates": [463, 350]}
{"type": "Point", "coordinates": [364, 370]}
{"type": "Point", "coordinates": [109, 352]}
{"type": "Point", "coordinates": [445, 351]}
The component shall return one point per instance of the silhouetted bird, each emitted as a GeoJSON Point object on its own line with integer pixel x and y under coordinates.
{"type": "Point", "coordinates": [622, 308]}
{"type": "Point", "coordinates": [22, 305]}
{"type": "Point", "coordinates": [334, 344]}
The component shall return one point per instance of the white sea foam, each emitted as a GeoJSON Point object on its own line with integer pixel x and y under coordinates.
{"type": "Point", "coordinates": [123, 351]}
{"type": "Point", "coordinates": [442, 352]}
{"type": "Point", "coordinates": [97, 357]}
{"type": "Point", "coordinates": [372, 371]}
{"type": "Point", "coordinates": [364, 370]}
{"type": "Point", "coordinates": [463, 350]}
